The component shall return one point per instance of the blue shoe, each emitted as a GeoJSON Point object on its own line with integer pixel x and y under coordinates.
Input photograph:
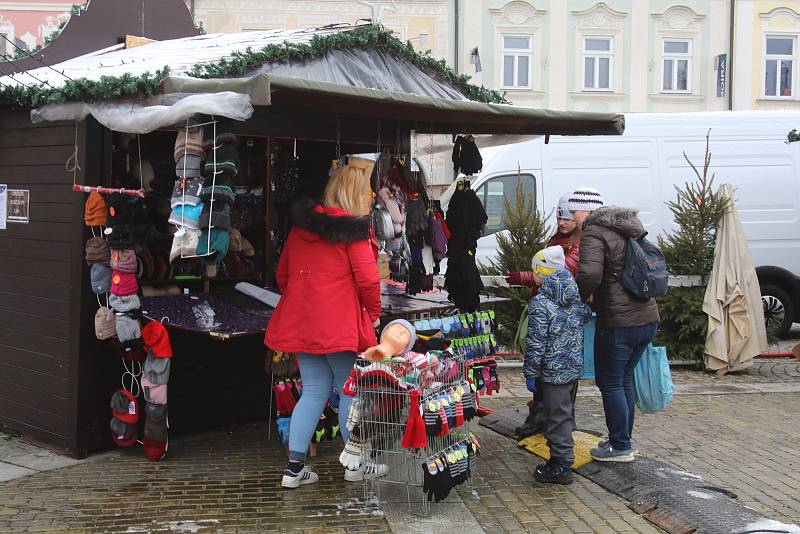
{"type": "Point", "coordinates": [553, 473]}
{"type": "Point", "coordinates": [608, 453]}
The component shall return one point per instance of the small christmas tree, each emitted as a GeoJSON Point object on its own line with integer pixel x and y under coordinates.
{"type": "Point", "coordinates": [527, 233]}
{"type": "Point", "coordinates": [697, 210]}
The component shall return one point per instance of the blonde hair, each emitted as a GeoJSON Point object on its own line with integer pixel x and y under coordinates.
{"type": "Point", "coordinates": [349, 189]}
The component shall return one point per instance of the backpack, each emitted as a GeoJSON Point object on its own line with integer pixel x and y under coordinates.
{"type": "Point", "coordinates": [645, 275]}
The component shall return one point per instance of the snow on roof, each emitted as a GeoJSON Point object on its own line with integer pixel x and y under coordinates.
{"type": "Point", "coordinates": [180, 55]}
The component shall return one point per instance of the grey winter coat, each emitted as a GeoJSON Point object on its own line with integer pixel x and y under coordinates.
{"type": "Point", "coordinates": [604, 246]}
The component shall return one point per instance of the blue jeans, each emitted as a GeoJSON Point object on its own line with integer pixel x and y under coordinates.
{"type": "Point", "coordinates": [616, 353]}
{"type": "Point", "coordinates": [319, 373]}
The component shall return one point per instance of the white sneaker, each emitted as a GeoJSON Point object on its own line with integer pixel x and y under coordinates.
{"type": "Point", "coordinates": [305, 476]}
{"type": "Point", "coordinates": [366, 472]}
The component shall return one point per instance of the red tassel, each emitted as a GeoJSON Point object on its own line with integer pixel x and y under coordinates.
{"type": "Point", "coordinates": [414, 437]}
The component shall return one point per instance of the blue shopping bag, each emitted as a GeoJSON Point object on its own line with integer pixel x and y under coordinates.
{"type": "Point", "coordinates": [653, 380]}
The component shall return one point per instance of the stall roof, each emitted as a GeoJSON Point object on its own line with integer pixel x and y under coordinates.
{"type": "Point", "coordinates": [378, 83]}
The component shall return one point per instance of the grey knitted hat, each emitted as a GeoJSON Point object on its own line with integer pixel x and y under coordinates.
{"type": "Point", "coordinates": [408, 326]}
{"type": "Point", "coordinates": [100, 277]}
{"type": "Point", "coordinates": [156, 369]}
{"type": "Point", "coordinates": [188, 166]}
{"type": "Point", "coordinates": [157, 412]}
{"type": "Point", "coordinates": [186, 192]}
{"type": "Point", "coordinates": [125, 304]}
{"type": "Point", "coordinates": [585, 199]}
{"type": "Point", "coordinates": [156, 429]}
{"type": "Point", "coordinates": [128, 328]}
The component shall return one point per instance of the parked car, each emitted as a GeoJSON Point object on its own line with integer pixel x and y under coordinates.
{"type": "Point", "coordinates": [641, 169]}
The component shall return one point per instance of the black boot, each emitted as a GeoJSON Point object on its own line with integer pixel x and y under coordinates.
{"type": "Point", "coordinates": [534, 423]}
{"type": "Point", "coordinates": [553, 472]}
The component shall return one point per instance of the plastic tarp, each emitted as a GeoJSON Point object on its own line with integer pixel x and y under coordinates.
{"type": "Point", "coordinates": [371, 69]}
{"type": "Point", "coordinates": [159, 112]}
{"type": "Point", "coordinates": [427, 114]}
{"type": "Point", "coordinates": [736, 329]}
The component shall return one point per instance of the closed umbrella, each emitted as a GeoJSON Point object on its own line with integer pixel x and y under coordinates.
{"type": "Point", "coordinates": [736, 329]}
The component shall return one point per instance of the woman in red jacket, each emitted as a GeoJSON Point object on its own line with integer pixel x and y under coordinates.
{"type": "Point", "coordinates": [329, 307]}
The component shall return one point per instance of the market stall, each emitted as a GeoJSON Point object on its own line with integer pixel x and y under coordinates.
{"type": "Point", "coordinates": [198, 165]}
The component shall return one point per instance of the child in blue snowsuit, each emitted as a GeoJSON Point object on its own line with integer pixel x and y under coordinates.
{"type": "Point", "coordinates": [554, 357]}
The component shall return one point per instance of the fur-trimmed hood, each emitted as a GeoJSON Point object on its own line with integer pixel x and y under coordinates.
{"type": "Point", "coordinates": [624, 221]}
{"type": "Point", "coordinates": [329, 224]}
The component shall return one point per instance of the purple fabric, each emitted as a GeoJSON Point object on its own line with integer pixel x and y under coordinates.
{"type": "Point", "coordinates": [439, 244]}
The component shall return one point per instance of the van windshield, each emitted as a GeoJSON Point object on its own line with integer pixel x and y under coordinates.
{"type": "Point", "coordinates": [493, 192]}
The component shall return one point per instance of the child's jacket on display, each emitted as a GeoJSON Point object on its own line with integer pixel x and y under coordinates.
{"type": "Point", "coordinates": [556, 316]}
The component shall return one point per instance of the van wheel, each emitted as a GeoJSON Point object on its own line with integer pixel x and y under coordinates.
{"type": "Point", "coordinates": [778, 310]}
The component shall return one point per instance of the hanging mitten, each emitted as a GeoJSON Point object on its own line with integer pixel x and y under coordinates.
{"type": "Point", "coordinates": [459, 410]}
{"type": "Point", "coordinates": [433, 423]}
{"type": "Point", "coordinates": [494, 379]}
{"type": "Point", "coordinates": [353, 452]}
{"type": "Point", "coordinates": [487, 380]}
{"type": "Point", "coordinates": [331, 415]}
{"type": "Point", "coordinates": [354, 415]}
{"type": "Point", "coordinates": [278, 398]}
{"type": "Point", "coordinates": [468, 405]}
{"type": "Point", "coordinates": [283, 429]}
{"type": "Point", "coordinates": [350, 386]}
{"type": "Point", "coordinates": [414, 436]}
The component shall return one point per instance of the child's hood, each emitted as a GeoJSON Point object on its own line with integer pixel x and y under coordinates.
{"type": "Point", "coordinates": [560, 287]}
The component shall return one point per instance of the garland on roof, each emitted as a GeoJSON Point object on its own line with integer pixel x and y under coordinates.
{"type": "Point", "coordinates": [367, 38]}
{"type": "Point", "coordinates": [145, 85]}
{"type": "Point", "coordinates": [83, 90]}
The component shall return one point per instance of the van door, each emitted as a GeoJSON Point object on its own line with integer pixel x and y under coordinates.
{"type": "Point", "coordinates": [493, 193]}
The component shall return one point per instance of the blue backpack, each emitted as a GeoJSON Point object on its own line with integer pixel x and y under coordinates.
{"type": "Point", "coordinates": [645, 275]}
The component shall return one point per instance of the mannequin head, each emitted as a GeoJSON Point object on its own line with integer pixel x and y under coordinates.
{"type": "Point", "coordinates": [397, 338]}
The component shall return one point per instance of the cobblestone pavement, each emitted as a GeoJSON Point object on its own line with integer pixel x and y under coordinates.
{"type": "Point", "coordinates": [220, 482]}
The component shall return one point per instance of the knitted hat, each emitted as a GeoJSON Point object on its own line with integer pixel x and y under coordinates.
{"type": "Point", "coordinates": [128, 328]}
{"type": "Point", "coordinates": [562, 212]}
{"type": "Point", "coordinates": [155, 393]}
{"type": "Point", "coordinates": [546, 261]}
{"type": "Point", "coordinates": [94, 213]}
{"type": "Point", "coordinates": [123, 434]}
{"type": "Point", "coordinates": [189, 166]}
{"type": "Point", "coordinates": [190, 142]}
{"type": "Point", "coordinates": [124, 406]}
{"type": "Point", "coordinates": [134, 354]}
{"type": "Point", "coordinates": [187, 216]}
{"type": "Point", "coordinates": [219, 218]}
{"type": "Point", "coordinates": [97, 251]}
{"type": "Point", "coordinates": [123, 284]}
{"type": "Point", "coordinates": [124, 260]}
{"type": "Point", "coordinates": [184, 245]}
{"type": "Point", "coordinates": [222, 156]}
{"type": "Point", "coordinates": [154, 450]}
{"type": "Point", "coordinates": [408, 326]}
{"type": "Point", "coordinates": [223, 194]}
{"type": "Point", "coordinates": [125, 304]}
{"type": "Point", "coordinates": [156, 340]}
{"type": "Point", "coordinates": [121, 238]}
{"type": "Point", "coordinates": [585, 199]}
{"type": "Point", "coordinates": [156, 369]}
{"type": "Point", "coordinates": [105, 323]}
{"type": "Point", "coordinates": [186, 191]}
{"type": "Point", "coordinates": [100, 278]}
{"type": "Point", "coordinates": [157, 412]}
{"type": "Point", "coordinates": [119, 210]}
{"type": "Point", "coordinates": [219, 243]}
{"type": "Point", "coordinates": [156, 429]}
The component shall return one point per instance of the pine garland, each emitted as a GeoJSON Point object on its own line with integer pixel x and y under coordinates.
{"type": "Point", "coordinates": [127, 85]}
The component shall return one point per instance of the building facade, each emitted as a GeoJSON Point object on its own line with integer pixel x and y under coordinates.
{"type": "Point", "coordinates": [28, 23]}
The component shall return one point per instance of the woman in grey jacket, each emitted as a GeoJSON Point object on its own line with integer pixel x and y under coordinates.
{"type": "Point", "coordinates": [625, 323]}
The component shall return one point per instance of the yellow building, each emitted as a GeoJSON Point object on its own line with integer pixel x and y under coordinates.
{"type": "Point", "coordinates": [765, 55]}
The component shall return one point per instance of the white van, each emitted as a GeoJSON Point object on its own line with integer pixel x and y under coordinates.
{"type": "Point", "coordinates": [642, 167]}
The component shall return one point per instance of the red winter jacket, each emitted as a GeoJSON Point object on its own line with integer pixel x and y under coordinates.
{"type": "Point", "coordinates": [572, 257]}
{"type": "Point", "coordinates": [326, 274]}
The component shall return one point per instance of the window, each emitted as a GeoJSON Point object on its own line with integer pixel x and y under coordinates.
{"type": "Point", "coordinates": [493, 193]}
{"type": "Point", "coordinates": [779, 66]}
{"type": "Point", "coordinates": [515, 68]}
{"type": "Point", "coordinates": [676, 68]}
{"type": "Point", "coordinates": [597, 67]}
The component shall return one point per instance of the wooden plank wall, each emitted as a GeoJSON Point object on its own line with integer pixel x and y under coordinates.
{"type": "Point", "coordinates": [38, 283]}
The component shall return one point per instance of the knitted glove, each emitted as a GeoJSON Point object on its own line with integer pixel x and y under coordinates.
{"type": "Point", "coordinates": [354, 450]}
{"type": "Point", "coordinates": [517, 278]}
{"type": "Point", "coordinates": [354, 415]}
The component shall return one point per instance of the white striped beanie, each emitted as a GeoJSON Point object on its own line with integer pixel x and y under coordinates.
{"type": "Point", "coordinates": [585, 199]}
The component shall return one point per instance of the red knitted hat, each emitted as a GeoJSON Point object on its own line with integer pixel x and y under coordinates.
{"type": "Point", "coordinates": [123, 284]}
{"type": "Point", "coordinates": [156, 339]}
{"type": "Point", "coordinates": [124, 406]}
{"type": "Point", "coordinates": [154, 450]}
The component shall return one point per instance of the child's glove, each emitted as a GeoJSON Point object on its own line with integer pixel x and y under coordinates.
{"type": "Point", "coordinates": [530, 383]}
{"type": "Point", "coordinates": [283, 429]}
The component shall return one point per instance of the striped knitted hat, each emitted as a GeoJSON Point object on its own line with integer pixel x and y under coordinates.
{"type": "Point", "coordinates": [585, 199]}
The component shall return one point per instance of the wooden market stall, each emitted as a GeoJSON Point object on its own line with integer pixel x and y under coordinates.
{"type": "Point", "coordinates": [307, 96]}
